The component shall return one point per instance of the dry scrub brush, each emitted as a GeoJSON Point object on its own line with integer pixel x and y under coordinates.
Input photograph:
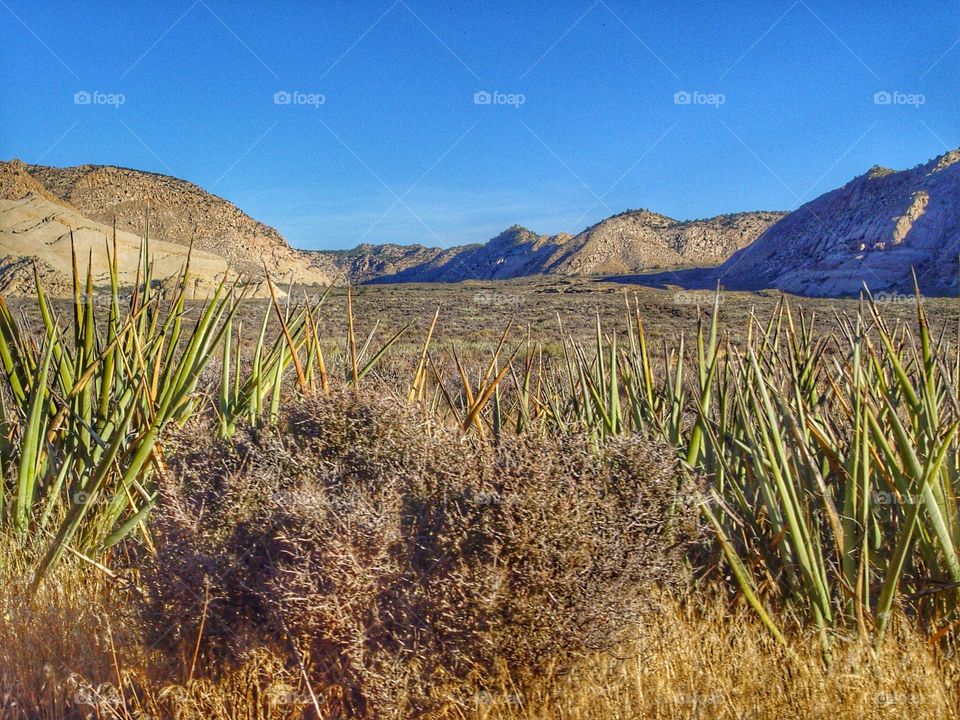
{"type": "Point", "coordinates": [399, 561]}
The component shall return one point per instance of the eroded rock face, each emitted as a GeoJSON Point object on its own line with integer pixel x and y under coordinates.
{"type": "Point", "coordinates": [180, 213]}
{"type": "Point", "coordinates": [35, 231]}
{"type": "Point", "coordinates": [874, 230]}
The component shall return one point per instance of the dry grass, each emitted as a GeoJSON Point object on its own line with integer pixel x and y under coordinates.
{"type": "Point", "coordinates": [706, 660]}
{"type": "Point", "coordinates": [78, 649]}
{"type": "Point", "coordinates": [65, 629]}
{"type": "Point", "coordinates": [61, 657]}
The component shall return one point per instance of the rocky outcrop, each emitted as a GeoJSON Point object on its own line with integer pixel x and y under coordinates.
{"type": "Point", "coordinates": [180, 213]}
{"type": "Point", "coordinates": [38, 231]}
{"type": "Point", "coordinates": [17, 277]}
{"type": "Point", "coordinates": [875, 230]}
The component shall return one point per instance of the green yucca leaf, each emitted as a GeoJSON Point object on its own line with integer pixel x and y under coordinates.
{"type": "Point", "coordinates": [895, 567]}
{"type": "Point", "coordinates": [31, 444]}
{"type": "Point", "coordinates": [742, 575]}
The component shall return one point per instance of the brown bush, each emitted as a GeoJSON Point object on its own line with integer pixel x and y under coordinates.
{"type": "Point", "coordinates": [398, 560]}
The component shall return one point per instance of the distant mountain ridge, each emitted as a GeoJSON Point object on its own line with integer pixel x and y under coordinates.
{"type": "Point", "coordinates": [182, 213]}
{"type": "Point", "coordinates": [876, 230]}
{"type": "Point", "coordinates": [629, 242]}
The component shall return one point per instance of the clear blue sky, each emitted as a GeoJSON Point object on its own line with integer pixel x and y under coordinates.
{"type": "Point", "coordinates": [398, 151]}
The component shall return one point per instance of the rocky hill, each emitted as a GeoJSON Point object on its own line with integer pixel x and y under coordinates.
{"type": "Point", "coordinates": [872, 230]}
{"type": "Point", "coordinates": [180, 213]}
{"type": "Point", "coordinates": [36, 231]}
{"type": "Point", "coordinates": [641, 240]}
{"type": "Point", "coordinates": [366, 263]}
{"type": "Point", "coordinates": [516, 252]}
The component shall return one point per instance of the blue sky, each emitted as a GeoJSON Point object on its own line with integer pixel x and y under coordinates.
{"type": "Point", "coordinates": [383, 139]}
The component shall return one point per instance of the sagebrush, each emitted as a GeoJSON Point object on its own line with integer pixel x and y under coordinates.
{"type": "Point", "coordinates": [404, 560]}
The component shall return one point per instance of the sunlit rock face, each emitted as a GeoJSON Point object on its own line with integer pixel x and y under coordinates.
{"type": "Point", "coordinates": [874, 230]}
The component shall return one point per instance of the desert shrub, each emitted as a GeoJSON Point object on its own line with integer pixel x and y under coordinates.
{"type": "Point", "coordinates": [398, 560]}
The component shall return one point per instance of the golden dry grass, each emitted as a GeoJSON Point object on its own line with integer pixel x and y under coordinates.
{"type": "Point", "coordinates": [702, 659]}
{"type": "Point", "coordinates": [74, 652]}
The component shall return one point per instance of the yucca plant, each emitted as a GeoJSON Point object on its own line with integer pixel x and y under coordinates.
{"type": "Point", "coordinates": [831, 456]}
{"type": "Point", "coordinates": [89, 402]}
